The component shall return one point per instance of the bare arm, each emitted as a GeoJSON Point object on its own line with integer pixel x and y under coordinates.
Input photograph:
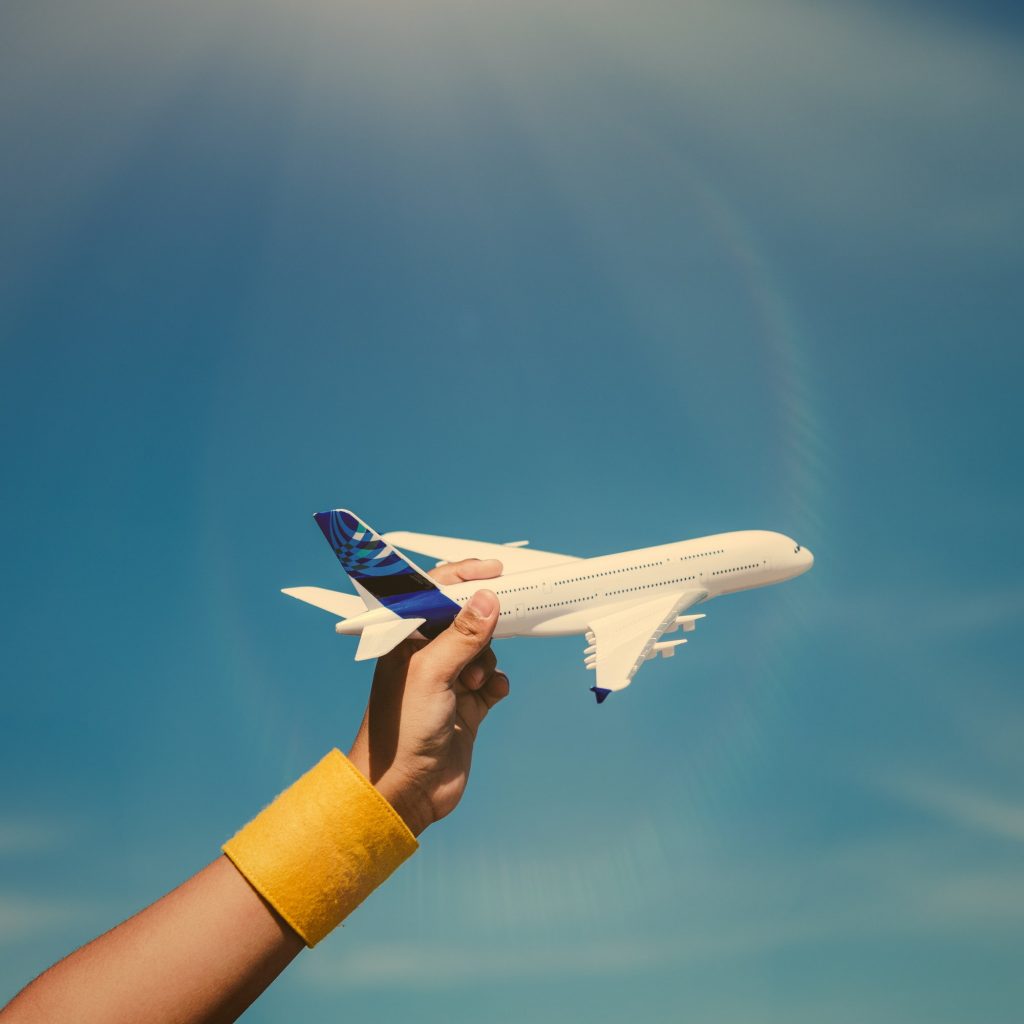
{"type": "Point", "coordinates": [203, 952]}
{"type": "Point", "coordinates": [206, 950]}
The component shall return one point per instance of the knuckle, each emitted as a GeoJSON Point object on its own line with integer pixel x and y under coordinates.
{"type": "Point", "coordinates": [465, 626]}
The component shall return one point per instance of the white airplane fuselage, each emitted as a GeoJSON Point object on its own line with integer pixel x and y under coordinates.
{"type": "Point", "coordinates": [561, 599]}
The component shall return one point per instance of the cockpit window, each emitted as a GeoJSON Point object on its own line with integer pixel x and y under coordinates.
{"type": "Point", "coordinates": [796, 550]}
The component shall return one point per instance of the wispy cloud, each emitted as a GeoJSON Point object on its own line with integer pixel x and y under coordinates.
{"type": "Point", "coordinates": [434, 965]}
{"type": "Point", "coordinates": [727, 905]}
{"type": "Point", "coordinates": [425, 965]}
{"type": "Point", "coordinates": [26, 835]}
{"type": "Point", "coordinates": [946, 612]}
{"type": "Point", "coordinates": [873, 898]}
{"type": "Point", "coordinates": [24, 916]}
{"type": "Point", "coordinates": [971, 808]}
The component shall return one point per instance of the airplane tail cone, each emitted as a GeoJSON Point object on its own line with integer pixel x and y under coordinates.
{"type": "Point", "coordinates": [600, 694]}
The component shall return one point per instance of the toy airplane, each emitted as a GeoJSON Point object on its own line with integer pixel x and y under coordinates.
{"type": "Point", "coordinates": [623, 604]}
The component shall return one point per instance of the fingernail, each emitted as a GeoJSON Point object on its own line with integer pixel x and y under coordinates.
{"type": "Point", "coordinates": [482, 604]}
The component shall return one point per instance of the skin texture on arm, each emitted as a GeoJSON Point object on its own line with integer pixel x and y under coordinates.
{"type": "Point", "coordinates": [206, 950]}
{"type": "Point", "coordinates": [203, 952]}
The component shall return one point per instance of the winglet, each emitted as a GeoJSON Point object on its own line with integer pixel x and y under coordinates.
{"type": "Point", "coordinates": [600, 693]}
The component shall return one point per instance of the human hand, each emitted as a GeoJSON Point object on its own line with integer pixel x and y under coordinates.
{"type": "Point", "coordinates": [428, 699]}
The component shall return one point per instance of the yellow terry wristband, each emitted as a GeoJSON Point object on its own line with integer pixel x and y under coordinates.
{"type": "Point", "coordinates": [322, 847]}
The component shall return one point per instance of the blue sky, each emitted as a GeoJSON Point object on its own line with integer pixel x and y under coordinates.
{"type": "Point", "coordinates": [599, 275]}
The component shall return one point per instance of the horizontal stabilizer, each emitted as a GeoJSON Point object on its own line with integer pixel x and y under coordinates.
{"type": "Point", "coordinates": [345, 606]}
{"type": "Point", "coordinates": [385, 636]}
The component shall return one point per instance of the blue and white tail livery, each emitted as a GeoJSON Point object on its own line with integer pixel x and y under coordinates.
{"type": "Point", "coordinates": [383, 576]}
{"type": "Point", "coordinates": [622, 603]}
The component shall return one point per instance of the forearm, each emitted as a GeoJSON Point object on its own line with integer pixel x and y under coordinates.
{"type": "Point", "coordinates": [205, 951]}
{"type": "Point", "coordinates": [202, 953]}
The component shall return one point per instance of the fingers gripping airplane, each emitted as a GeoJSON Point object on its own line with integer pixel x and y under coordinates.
{"type": "Point", "coordinates": [623, 604]}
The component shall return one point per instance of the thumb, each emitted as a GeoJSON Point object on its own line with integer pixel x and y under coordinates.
{"type": "Point", "coordinates": [450, 652]}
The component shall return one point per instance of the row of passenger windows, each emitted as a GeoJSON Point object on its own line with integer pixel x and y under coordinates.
{"type": "Point", "coordinates": [648, 586]}
{"type": "Point", "coordinates": [554, 604]}
{"type": "Point", "coordinates": [610, 572]}
{"type": "Point", "coordinates": [623, 590]}
{"type": "Point", "coordinates": [642, 565]}
{"type": "Point", "coordinates": [628, 568]}
{"type": "Point", "coordinates": [611, 593]}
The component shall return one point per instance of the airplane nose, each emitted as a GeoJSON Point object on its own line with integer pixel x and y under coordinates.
{"type": "Point", "coordinates": [809, 557]}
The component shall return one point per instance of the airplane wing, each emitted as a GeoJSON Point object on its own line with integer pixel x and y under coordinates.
{"type": "Point", "coordinates": [514, 557]}
{"type": "Point", "coordinates": [621, 641]}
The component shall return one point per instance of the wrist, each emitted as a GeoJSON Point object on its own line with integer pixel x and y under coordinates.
{"type": "Point", "coordinates": [406, 799]}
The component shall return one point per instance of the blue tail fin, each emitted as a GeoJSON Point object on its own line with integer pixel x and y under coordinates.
{"type": "Point", "coordinates": [384, 573]}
